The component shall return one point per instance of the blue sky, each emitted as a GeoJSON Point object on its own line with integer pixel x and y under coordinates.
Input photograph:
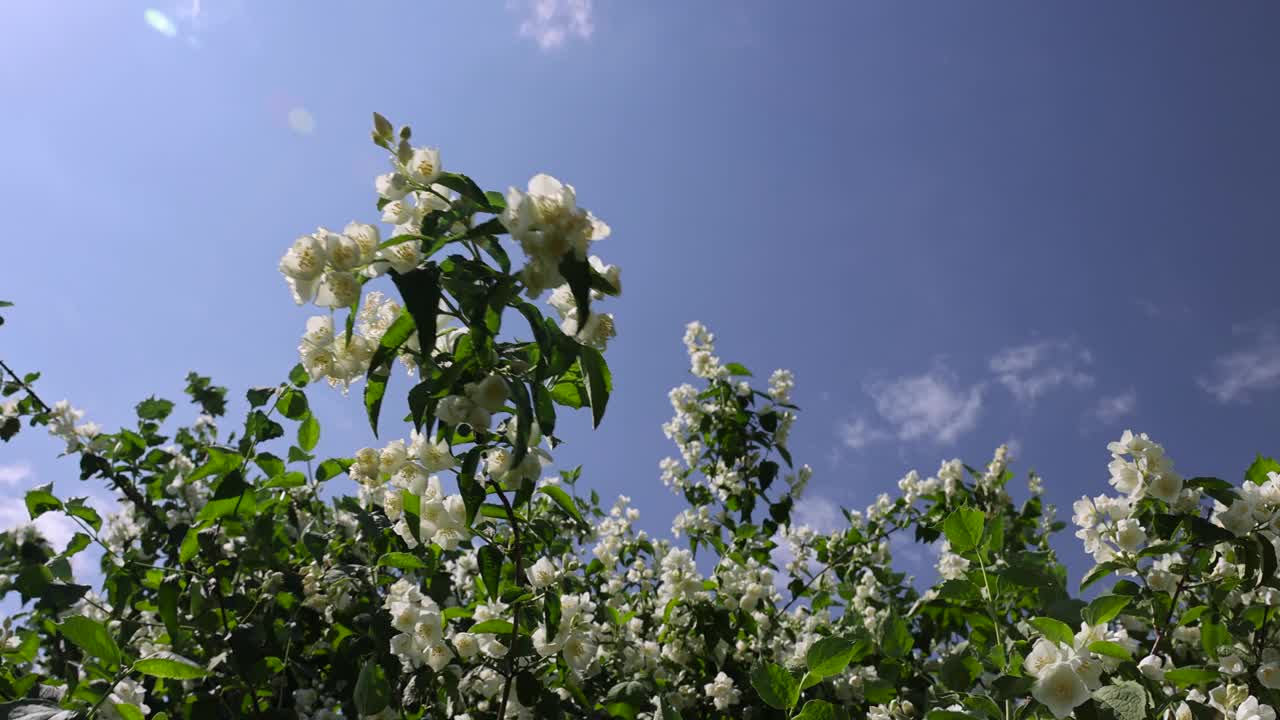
{"type": "Point", "coordinates": [959, 223]}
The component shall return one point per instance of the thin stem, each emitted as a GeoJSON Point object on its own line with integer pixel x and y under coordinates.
{"type": "Point", "coordinates": [26, 387]}
{"type": "Point", "coordinates": [991, 608]}
{"type": "Point", "coordinates": [517, 555]}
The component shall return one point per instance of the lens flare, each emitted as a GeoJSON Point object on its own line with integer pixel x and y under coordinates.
{"type": "Point", "coordinates": [160, 22]}
{"type": "Point", "coordinates": [301, 121]}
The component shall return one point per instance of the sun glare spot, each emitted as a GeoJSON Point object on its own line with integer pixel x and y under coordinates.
{"type": "Point", "coordinates": [160, 22]}
{"type": "Point", "coordinates": [301, 121]}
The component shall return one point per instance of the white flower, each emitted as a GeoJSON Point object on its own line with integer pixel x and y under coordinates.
{"type": "Point", "coordinates": [1166, 486]}
{"type": "Point", "coordinates": [433, 455]}
{"type": "Point", "coordinates": [1269, 675]}
{"type": "Point", "coordinates": [1130, 535]}
{"type": "Point", "coordinates": [392, 186]}
{"type": "Point", "coordinates": [1152, 667]}
{"type": "Point", "coordinates": [466, 645]}
{"type": "Point", "coordinates": [365, 237]}
{"type": "Point", "coordinates": [343, 251]}
{"type": "Point", "coordinates": [424, 165]}
{"type": "Point", "coordinates": [1043, 655]}
{"type": "Point", "coordinates": [1125, 476]}
{"type": "Point", "coordinates": [402, 257]}
{"type": "Point", "coordinates": [578, 652]}
{"type": "Point", "coordinates": [490, 393]}
{"type": "Point", "coordinates": [338, 289]}
{"type": "Point", "coordinates": [1060, 689]}
{"type": "Point", "coordinates": [302, 267]}
{"type": "Point", "coordinates": [1251, 709]}
{"type": "Point", "coordinates": [722, 692]}
{"type": "Point", "coordinates": [542, 573]}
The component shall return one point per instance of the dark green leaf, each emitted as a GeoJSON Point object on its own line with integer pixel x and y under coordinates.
{"type": "Point", "coordinates": [92, 637]}
{"type": "Point", "coordinates": [170, 666]}
{"type": "Point", "coordinates": [372, 694]}
{"type": "Point", "coordinates": [563, 499]}
{"type": "Point", "coordinates": [41, 500]}
{"type": "Point", "coordinates": [489, 558]}
{"type": "Point", "coordinates": [963, 528]}
{"type": "Point", "coordinates": [1104, 609]}
{"type": "Point", "coordinates": [599, 382]}
{"type": "Point", "coordinates": [401, 560]}
{"type": "Point", "coordinates": [1054, 630]}
{"type": "Point", "coordinates": [828, 656]}
{"type": "Point", "coordinates": [776, 686]}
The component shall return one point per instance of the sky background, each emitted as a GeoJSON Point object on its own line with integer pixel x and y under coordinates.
{"type": "Point", "coordinates": [959, 223]}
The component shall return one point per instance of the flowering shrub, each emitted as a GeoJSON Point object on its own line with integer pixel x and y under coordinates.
{"type": "Point", "coordinates": [466, 579]}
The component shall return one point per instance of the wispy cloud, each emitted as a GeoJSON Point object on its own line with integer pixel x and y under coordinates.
{"type": "Point", "coordinates": [859, 433]}
{"type": "Point", "coordinates": [16, 473]}
{"type": "Point", "coordinates": [1029, 371]}
{"type": "Point", "coordinates": [552, 22]}
{"type": "Point", "coordinates": [1239, 374]}
{"type": "Point", "coordinates": [933, 405]}
{"type": "Point", "coordinates": [1111, 409]}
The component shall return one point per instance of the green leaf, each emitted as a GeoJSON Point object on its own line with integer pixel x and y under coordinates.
{"type": "Point", "coordinates": [1187, 676]}
{"type": "Point", "coordinates": [578, 274]}
{"type": "Point", "coordinates": [331, 468]}
{"type": "Point", "coordinates": [599, 381]}
{"type": "Point", "coordinates": [524, 420]}
{"type": "Point", "coordinates": [817, 710]}
{"type": "Point", "coordinates": [1099, 572]}
{"type": "Point", "coordinates": [292, 404]}
{"type": "Point", "coordinates": [76, 507]}
{"type": "Point", "coordinates": [544, 409]}
{"type": "Point", "coordinates": [473, 494]}
{"type": "Point", "coordinates": [1104, 609]}
{"type": "Point", "coordinates": [372, 693]}
{"type": "Point", "coordinates": [494, 626]}
{"type": "Point", "coordinates": [776, 686]}
{"type": "Point", "coordinates": [1110, 649]}
{"type": "Point", "coordinates": [374, 389]}
{"type": "Point", "coordinates": [92, 637]}
{"type": "Point", "coordinates": [287, 480]}
{"type": "Point", "coordinates": [298, 376]}
{"type": "Point", "coordinates": [170, 666]}
{"type": "Point", "coordinates": [167, 603]}
{"type": "Point", "coordinates": [41, 500]}
{"type": "Point", "coordinates": [128, 711]}
{"type": "Point", "coordinates": [402, 560]}
{"type": "Point", "coordinates": [489, 558]}
{"type": "Point", "coordinates": [467, 188]}
{"type": "Point", "coordinates": [563, 499]}
{"type": "Point", "coordinates": [1127, 699]}
{"type": "Point", "coordinates": [1053, 630]}
{"type": "Point", "coordinates": [1257, 472]}
{"type": "Point", "coordinates": [828, 656]}
{"type": "Point", "coordinates": [154, 408]}
{"type": "Point", "coordinates": [898, 640]}
{"type": "Point", "coordinates": [963, 528]}
{"type": "Point", "coordinates": [737, 369]}
{"type": "Point", "coordinates": [309, 433]}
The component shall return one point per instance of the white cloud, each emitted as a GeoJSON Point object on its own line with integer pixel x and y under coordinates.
{"type": "Point", "coordinates": [15, 473]}
{"type": "Point", "coordinates": [932, 405]}
{"type": "Point", "coordinates": [859, 433]}
{"type": "Point", "coordinates": [1111, 409]}
{"type": "Point", "coordinates": [551, 22]}
{"type": "Point", "coordinates": [1029, 371]}
{"type": "Point", "coordinates": [1239, 374]}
